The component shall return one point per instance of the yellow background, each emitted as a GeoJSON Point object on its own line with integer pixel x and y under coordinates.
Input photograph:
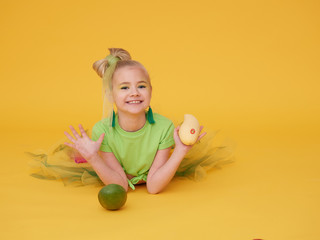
{"type": "Point", "coordinates": [249, 68]}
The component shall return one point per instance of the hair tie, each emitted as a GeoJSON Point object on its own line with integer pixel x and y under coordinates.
{"type": "Point", "coordinates": [112, 59]}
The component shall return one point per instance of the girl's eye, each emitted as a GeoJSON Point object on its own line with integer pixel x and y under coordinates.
{"type": "Point", "coordinates": [142, 86]}
{"type": "Point", "coordinates": [124, 88]}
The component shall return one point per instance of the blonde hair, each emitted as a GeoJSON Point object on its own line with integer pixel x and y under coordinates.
{"type": "Point", "coordinates": [123, 60]}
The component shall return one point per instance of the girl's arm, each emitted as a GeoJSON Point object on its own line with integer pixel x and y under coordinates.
{"type": "Point", "coordinates": [164, 168]}
{"type": "Point", "coordinates": [109, 169]}
{"type": "Point", "coordinates": [105, 165]}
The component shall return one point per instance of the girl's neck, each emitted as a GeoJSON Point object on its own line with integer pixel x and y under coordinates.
{"type": "Point", "coordinates": [131, 123]}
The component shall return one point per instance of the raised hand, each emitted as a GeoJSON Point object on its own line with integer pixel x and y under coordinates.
{"type": "Point", "coordinates": [83, 144]}
{"type": "Point", "coordinates": [178, 142]}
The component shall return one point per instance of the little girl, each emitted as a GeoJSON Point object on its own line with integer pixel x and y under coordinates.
{"type": "Point", "coordinates": [133, 145]}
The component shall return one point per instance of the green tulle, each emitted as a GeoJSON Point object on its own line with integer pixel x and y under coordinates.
{"type": "Point", "coordinates": [204, 156]}
{"type": "Point", "coordinates": [59, 164]}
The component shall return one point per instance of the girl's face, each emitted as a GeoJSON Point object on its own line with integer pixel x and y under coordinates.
{"type": "Point", "coordinates": [131, 90]}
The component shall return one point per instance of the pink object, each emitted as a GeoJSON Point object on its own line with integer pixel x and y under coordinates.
{"type": "Point", "coordinates": [80, 160]}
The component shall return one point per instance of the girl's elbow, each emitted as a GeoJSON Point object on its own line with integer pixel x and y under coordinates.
{"type": "Point", "coordinates": [122, 184]}
{"type": "Point", "coordinates": [153, 189]}
{"type": "Point", "coordinates": [125, 185]}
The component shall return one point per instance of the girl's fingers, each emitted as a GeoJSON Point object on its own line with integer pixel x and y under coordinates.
{"type": "Point", "coordinates": [69, 144]}
{"type": "Point", "coordinates": [75, 132]}
{"type": "Point", "coordinates": [100, 139]}
{"type": "Point", "coordinates": [176, 130]}
{"type": "Point", "coordinates": [70, 137]}
{"type": "Point", "coordinates": [201, 136]}
{"type": "Point", "coordinates": [83, 132]}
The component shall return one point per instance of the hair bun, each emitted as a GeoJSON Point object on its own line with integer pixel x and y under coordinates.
{"type": "Point", "coordinates": [120, 53]}
{"type": "Point", "coordinates": [101, 65]}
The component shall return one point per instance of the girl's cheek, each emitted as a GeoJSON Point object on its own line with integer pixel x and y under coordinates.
{"type": "Point", "coordinates": [117, 92]}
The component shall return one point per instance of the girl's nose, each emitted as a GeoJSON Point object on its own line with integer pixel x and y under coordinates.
{"type": "Point", "coordinates": [135, 92]}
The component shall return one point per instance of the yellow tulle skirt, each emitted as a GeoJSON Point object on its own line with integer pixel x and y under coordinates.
{"type": "Point", "coordinates": [63, 163]}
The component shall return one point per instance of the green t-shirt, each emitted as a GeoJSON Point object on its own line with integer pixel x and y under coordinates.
{"type": "Point", "coordinates": [135, 151]}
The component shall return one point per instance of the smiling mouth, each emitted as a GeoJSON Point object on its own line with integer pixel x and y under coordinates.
{"type": "Point", "coordinates": [134, 102]}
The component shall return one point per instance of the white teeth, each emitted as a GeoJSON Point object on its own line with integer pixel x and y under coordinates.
{"type": "Point", "coordinates": [135, 102]}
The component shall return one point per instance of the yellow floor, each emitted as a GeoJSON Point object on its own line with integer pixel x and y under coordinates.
{"type": "Point", "coordinates": [270, 192]}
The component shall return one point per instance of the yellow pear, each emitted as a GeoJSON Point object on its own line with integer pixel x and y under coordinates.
{"type": "Point", "coordinates": [189, 130]}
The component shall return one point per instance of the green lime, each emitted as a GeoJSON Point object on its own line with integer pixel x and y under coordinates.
{"type": "Point", "coordinates": [112, 196]}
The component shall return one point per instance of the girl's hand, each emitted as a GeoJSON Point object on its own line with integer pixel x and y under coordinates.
{"type": "Point", "coordinates": [180, 145]}
{"type": "Point", "coordinates": [83, 144]}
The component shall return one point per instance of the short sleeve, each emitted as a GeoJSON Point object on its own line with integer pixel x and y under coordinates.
{"type": "Point", "coordinates": [97, 130]}
{"type": "Point", "coordinates": [167, 140]}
